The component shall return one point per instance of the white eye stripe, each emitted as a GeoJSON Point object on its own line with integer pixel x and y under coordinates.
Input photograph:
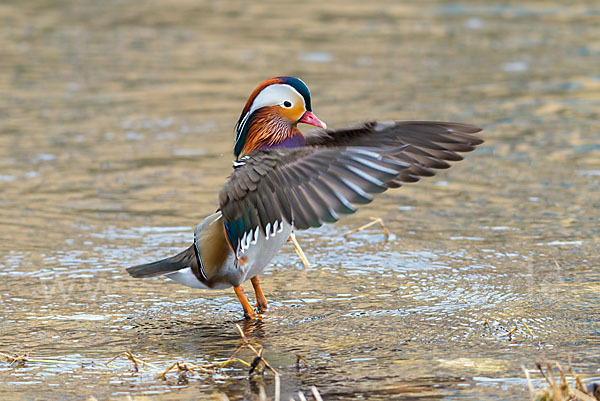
{"type": "Point", "coordinates": [273, 94]}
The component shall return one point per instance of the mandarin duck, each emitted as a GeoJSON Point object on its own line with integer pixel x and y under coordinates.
{"type": "Point", "coordinates": [284, 180]}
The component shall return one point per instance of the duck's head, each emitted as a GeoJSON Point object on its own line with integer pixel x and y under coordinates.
{"type": "Point", "coordinates": [271, 116]}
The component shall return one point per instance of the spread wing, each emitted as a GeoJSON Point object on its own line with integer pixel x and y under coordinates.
{"type": "Point", "coordinates": [315, 184]}
{"type": "Point", "coordinates": [432, 143]}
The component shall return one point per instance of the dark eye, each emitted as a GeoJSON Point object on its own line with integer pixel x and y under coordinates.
{"type": "Point", "coordinates": [287, 103]}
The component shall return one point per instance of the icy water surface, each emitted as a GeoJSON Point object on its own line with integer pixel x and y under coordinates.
{"type": "Point", "coordinates": [116, 133]}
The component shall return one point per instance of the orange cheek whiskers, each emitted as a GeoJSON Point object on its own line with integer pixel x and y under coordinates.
{"type": "Point", "coordinates": [267, 129]}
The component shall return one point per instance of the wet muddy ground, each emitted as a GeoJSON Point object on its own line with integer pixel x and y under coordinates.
{"type": "Point", "coordinates": [116, 133]}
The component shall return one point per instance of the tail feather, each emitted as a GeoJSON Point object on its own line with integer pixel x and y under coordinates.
{"type": "Point", "coordinates": [187, 258]}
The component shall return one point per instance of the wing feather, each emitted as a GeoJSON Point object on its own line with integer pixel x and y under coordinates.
{"type": "Point", "coordinates": [315, 184]}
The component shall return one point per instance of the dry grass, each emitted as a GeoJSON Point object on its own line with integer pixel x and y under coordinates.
{"type": "Point", "coordinates": [375, 220]}
{"type": "Point", "coordinates": [15, 360]}
{"type": "Point", "coordinates": [299, 250]}
{"type": "Point", "coordinates": [182, 369]}
{"type": "Point", "coordinates": [559, 388]}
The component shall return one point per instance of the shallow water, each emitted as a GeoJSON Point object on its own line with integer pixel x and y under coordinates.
{"type": "Point", "coordinates": [116, 135]}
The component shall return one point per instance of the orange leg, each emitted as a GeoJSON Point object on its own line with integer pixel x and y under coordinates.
{"type": "Point", "coordinates": [248, 311]}
{"type": "Point", "coordinates": [261, 301]}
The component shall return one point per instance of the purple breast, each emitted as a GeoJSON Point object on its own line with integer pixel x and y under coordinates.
{"type": "Point", "coordinates": [289, 142]}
